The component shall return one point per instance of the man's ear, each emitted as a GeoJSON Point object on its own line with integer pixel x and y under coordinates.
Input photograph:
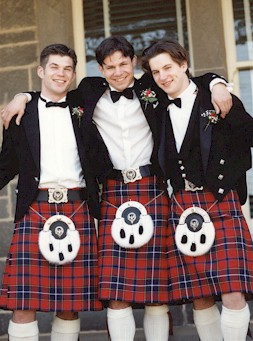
{"type": "Point", "coordinates": [134, 61]}
{"type": "Point", "coordinates": [74, 76]}
{"type": "Point", "coordinates": [101, 69]}
{"type": "Point", "coordinates": [40, 71]}
{"type": "Point", "coordinates": [184, 66]}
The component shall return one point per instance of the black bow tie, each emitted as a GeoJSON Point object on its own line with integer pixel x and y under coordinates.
{"type": "Point", "coordinates": [176, 101]}
{"type": "Point", "coordinates": [55, 104]}
{"type": "Point", "coordinates": [128, 93]}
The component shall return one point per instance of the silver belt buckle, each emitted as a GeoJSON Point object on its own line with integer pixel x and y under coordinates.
{"type": "Point", "coordinates": [131, 175]}
{"type": "Point", "coordinates": [57, 195]}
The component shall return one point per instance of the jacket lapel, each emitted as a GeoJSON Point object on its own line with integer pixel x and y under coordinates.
{"type": "Point", "coordinates": [76, 122]}
{"type": "Point", "coordinates": [31, 127]}
{"type": "Point", "coordinates": [205, 137]}
{"type": "Point", "coordinates": [187, 142]}
{"type": "Point", "coordinates": [150, 110]}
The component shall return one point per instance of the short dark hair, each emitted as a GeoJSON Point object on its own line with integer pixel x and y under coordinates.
{"type": "Point", "coordinates": [113, 44]}
{"type": "Point", "coordinates": [176, 51]}
{"type": "Point", "coordinates": [57, 49]}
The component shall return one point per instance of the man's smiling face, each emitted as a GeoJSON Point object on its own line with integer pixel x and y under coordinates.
{"type": "Point", "coordinates": [57, 76]}
{"type": "Point", "coordinates": [118, 70]}
{"type": "Point", "coordinates": [169, 75]}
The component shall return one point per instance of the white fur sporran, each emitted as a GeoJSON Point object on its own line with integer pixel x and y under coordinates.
{"type": "Point", "coordinates": [59, 241]}
{"type": "Point", "coordinates": [195, 233]}
{"type": "Point", "coordinates": [132, 226]}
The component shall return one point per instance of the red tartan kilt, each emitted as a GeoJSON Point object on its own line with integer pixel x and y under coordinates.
{"type": "Point", "coordinates": [134, 275]}
{"type": "Point", "coordinates": [228, 267]}
{"type": "Point", "coordinates": [31, 283]}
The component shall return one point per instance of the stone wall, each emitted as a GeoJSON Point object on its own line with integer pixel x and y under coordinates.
{"type": "Point", "coordinates": [18, 55]}
{"type": "Point", "coordinates": [26, 26]}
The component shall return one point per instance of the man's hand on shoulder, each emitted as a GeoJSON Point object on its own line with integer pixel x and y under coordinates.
{"type": "Point", "coordinates": [15, 107]}
{"type": "Point", "coordinates": [221, 99]}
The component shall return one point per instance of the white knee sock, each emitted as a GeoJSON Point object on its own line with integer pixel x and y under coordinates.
{"type": "Point", "coordinates": [156, 323]}
{"type": "Point", "coordinates": [235, 323]}
{"type": "Point", "coordinates": [23, 331]}
{"type": "Point", "coordinates": [121, 324]}
{"type": "Point", "coordinates": [65, 330]}
{"type": "Point", "coordinates": [207, 322]}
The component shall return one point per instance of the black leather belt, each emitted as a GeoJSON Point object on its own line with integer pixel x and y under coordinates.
{"type": "Point", "coordinates": [132, 174]}
{"type": "Point", "coordinates": [59, 195]}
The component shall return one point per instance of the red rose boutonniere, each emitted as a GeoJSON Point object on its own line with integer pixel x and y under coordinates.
{"type": "Point", "coordinates": [149, 96]}
{"type": "Point", "coordinates": [213, 117]}
{"type": "Point", "coordinates": [78, 111]}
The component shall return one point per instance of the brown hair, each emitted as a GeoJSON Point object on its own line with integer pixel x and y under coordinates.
{"type": "Point", "coordinates": [57, 49]}
{"type": "Point", "coordinates": [174, 49]}
{"type": "Point", "coordinates": [111, 45]}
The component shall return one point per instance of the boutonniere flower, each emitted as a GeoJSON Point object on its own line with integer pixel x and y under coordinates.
{"type": "Point", "coordinates": [213, 117]}
{"type": "Point", "coordinates": [148, 96]}
{"type": "Point", "coordinates": [78, 111]}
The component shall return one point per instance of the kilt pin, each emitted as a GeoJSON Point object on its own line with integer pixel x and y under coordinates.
{"type": "Point", "coordinates": [30, 282]}
{"type": "Point", "coordinates": [227, 267]}
{"type": "Point", "coordinates": [134, 275]}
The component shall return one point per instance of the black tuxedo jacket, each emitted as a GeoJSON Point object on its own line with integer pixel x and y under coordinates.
{"type": "Point", "coordinates": [20, 155]}
{"type": "Point", "coordinates": [88, 94]}
{"type": "Point", "coordinates": [216, 157]}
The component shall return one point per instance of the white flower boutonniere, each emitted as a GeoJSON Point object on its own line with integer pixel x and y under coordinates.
{"type": "Point", "coordinates": [149, 96]}
{"type": "Point", "coordinates": [78, 111]}
{"type": "Point", "coordinates": [213, 117]}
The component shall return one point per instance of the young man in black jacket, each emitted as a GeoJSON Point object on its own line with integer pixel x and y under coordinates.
{"type": "Point", "coordinates": [52, 263]}
{"type": "Point", "coordinates": [205, 158]}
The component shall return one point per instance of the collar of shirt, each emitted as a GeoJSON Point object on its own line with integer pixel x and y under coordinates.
{"type": "Point", "coordinates": [188, 92]}
{"type": "Point", "coordinates": [63, 99]}
{"type": "Point", "coordinates": [113, 89]}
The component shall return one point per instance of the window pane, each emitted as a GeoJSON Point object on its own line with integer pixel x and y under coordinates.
{"type": "Point", "coordinates": [246, 89]}
{"type": "Point", "coordinates": [246, 95]}
{"type": "Point", "coordinates": [243, 28]}
{"type": "Point", "coordinates": [93, 32]}
{"type": "Point", "coordinates": [140, 21]}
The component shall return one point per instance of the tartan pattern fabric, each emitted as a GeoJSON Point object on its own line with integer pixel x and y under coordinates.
{"type": "Point", "coordinates": [134, 275]}
{"type": "Point", "coordinates": [31, 283]}
{"type": "Point", "coordinates": [227, 267]}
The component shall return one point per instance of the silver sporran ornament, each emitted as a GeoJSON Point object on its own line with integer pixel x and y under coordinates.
{"type": "Point", "coordinates": [195, 233]}
{"type": "Point", "coordinates": [132, 226]}
{"type": "Point", "coordinates": [59, 241]}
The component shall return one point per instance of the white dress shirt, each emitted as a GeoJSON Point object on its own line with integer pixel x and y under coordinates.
{"type": "Point", "coordinates": [180, 116]}
{"type": "Point", "coordinates": [59, 162]}
{"type": "Point", "coordinates": [125, 131]}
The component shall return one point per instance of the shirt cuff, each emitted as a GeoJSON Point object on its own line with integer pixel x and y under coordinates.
{"type": "Point", "coordinates": [220, 80]}
{"type": "Point", "coordinates": [28, 96]}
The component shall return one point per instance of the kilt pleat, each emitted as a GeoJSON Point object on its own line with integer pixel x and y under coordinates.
{"type": "Point", "coordinates": [134, 275]}
{"type": "Point", "coordinates": [31, 283]}
{"type": "Point", "coordinates": [227, 267]}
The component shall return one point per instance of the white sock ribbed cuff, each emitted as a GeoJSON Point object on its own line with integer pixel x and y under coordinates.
{"type": "Point", "coordinates": [23, 330]}
{"type": "Point", "coordinates": [157, 310]}
{"type": "Point", "coordinates": [156, 323]}
{"type": "Point", "coordinates": [121, 324]}
{"type": "Point", "coordinates": [65, 326]}
{"type": "Point", "coordinates": [235, 318]}
{"type": "Point", "coordinates": [119, 313]}
{"type": "Point", "coordinates": [206, 316]}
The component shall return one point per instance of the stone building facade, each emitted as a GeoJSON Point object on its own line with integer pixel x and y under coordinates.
{"type": "Point", "coordinates": [26, 26]}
